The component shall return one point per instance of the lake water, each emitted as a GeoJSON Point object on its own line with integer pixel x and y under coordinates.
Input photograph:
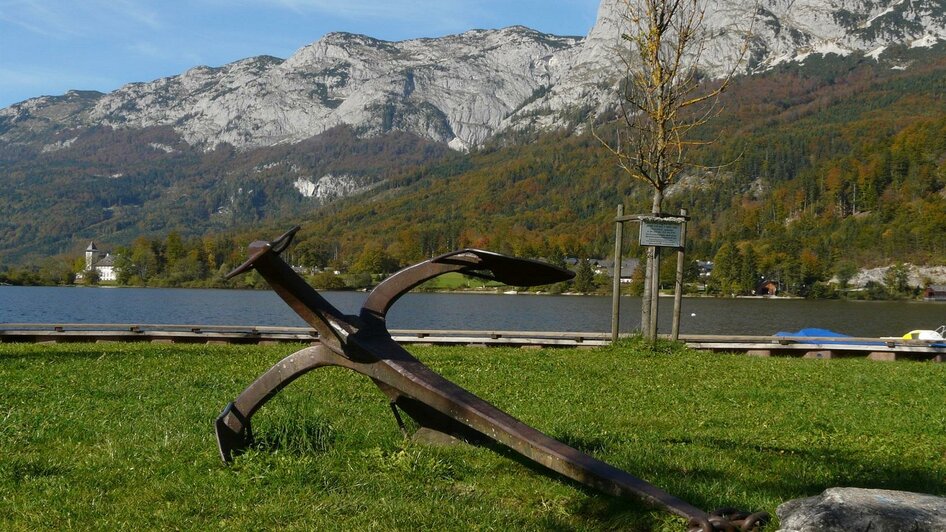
{"type": "Point", "coordinates": [465, 311]}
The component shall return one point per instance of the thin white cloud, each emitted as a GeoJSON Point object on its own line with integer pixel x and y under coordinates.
{"type": "Point", "coordinates": [37, 16]}
{"type": "Point", "coordinates": [365, 8]}
{"type": "Point", "coordinates": [130, 10]}
{"type": "Point", "coordinates": [19, 78]}
{"type": "Point", "coordinates": [64, 19]}
{"type": "Point", "coordinates": [452, 13]}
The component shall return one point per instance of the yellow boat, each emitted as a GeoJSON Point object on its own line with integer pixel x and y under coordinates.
{"type": "Point", "coordinates": [926, 334]}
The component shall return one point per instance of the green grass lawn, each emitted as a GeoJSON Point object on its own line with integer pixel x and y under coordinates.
{"type": "Point", "coordinates": [457, 281]}
{"type": "Point", "coordinates": [120, 436]}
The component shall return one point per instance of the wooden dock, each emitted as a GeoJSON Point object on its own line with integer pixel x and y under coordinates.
{"type": "Point", "coordinates": [884, 349]}
{"type": "Point", "coordinates": [887, 349]}
{"type": "Point", "coordinates": [235, 334]}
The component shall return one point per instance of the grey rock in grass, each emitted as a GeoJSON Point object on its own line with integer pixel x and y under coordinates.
{"type": "Point", "coordinates": [862, 510]}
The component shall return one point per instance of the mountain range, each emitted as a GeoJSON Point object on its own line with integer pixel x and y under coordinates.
{"type": "Point", "coordinates": [269, 138]}
{"type": "Point", "coordinates": [460, 89]}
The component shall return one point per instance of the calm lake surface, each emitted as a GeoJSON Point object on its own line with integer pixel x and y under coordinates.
{"type": "Point", "coordinates": [465, 311]}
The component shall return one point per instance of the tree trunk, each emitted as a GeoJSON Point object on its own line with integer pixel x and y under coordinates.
{"type": "Point", "coordinates": [648, 298]}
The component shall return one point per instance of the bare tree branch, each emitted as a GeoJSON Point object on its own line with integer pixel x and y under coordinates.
{"type": "Point", "coordinates": [664, 100]}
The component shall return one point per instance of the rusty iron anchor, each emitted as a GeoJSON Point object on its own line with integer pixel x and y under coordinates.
{"type": "Point", "coordinates": [363, 344]}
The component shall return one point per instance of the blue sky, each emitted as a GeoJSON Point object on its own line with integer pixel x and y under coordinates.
{"type": "Point", "coordinates": [48, 47]}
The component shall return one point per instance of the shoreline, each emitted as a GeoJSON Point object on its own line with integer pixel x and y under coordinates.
{"type": "Point", "coordinates": [485, 291]}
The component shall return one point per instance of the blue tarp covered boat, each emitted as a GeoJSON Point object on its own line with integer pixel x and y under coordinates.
{"type": "Point", "coordinates": [814, 332]}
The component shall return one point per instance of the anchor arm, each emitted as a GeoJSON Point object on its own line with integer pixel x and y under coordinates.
{"type": "Point", "coordinates": [233, 428]}
{"type": "Point", "coordinates": [473, 262]}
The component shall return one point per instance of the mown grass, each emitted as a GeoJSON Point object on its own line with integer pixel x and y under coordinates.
{"type": "Point", "coordinates": [112, 436]}
{"type": "Point", "coordinates": [456, 281]}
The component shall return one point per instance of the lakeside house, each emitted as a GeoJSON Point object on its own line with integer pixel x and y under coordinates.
{"type": "Point", "coordinates": [606, 267]}
{"type": "Point", "coordinates": [102, 262]}
{"type": "Point", "coordinates": [767, 287]}
{"type": "Point", "coordinates": [936, 292]}
{"type": "Point", "coordinates": [705, 269]}
{"type": "Point", "coordinates": [628, 267]}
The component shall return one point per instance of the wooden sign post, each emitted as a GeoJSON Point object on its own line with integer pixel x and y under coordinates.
{"type": "Point", "coordinates": [656, 231]}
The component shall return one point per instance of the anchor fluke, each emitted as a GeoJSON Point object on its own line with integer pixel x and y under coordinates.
{"type": "Point", "coordinates": [504, 269]}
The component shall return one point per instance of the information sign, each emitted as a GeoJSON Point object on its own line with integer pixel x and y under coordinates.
{"type": "Point", "coordinates": [662, 233]}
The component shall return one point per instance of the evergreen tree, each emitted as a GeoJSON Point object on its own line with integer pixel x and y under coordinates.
{"type": "Point", "coordinates": [584, 276]}
{"type": "Point", "coordinates": [726, 268]}
{"type": "Point", "coordinates": [844, 271]}
{"type": "Point", "coordinates": [748, 271]}
{"type": "Point", "coordinates": [173, 248]}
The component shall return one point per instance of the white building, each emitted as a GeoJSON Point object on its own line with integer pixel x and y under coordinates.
{"type": "Point", "coordinates": [101, 261]}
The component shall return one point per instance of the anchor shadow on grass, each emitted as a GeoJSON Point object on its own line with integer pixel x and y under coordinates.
{"type": "Point", "coordinates": [608, 510]}
{"type": "Point", "coordinates": [781, 472]}
{"type": "Point", "coordinates": [313, 435]}
{"type": "Point", "coordinates": [695, 485]}
{"type": "Point", "coordinates": [845, 468]}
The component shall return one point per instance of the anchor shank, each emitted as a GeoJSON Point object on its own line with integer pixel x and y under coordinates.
{"type": "Point", "coordinates": [333, 327]}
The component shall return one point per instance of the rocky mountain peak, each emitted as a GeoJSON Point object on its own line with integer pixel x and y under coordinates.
{"type": "Point", "coordinates": [461, 89]}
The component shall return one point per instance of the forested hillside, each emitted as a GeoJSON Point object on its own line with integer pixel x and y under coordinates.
{"type": "Point", "coordinates": [115, 185]}
{"type": "Point", "coordinates": [839, 162]}
{"type": "Point", "coordinates": [813, 170]}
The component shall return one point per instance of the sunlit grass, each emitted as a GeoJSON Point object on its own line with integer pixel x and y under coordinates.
{"type": "Point", "coordinates": [456, 281]}
{"type": "Point", "coordinates": [106, 436]}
